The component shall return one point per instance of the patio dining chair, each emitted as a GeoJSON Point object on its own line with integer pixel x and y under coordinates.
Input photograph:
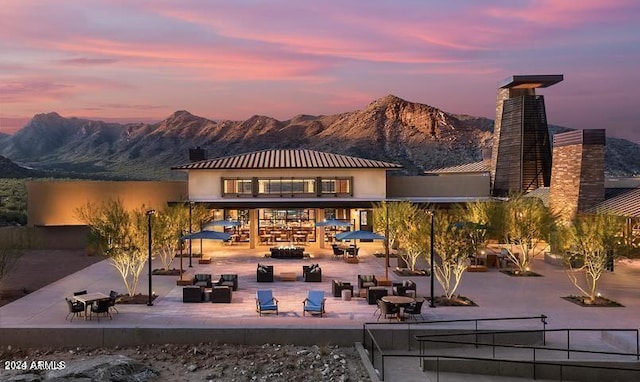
{"type": "Point", "coordinates": [414, 309]}
{"type": "Point", "coordinates": [113, 295]}
{"type": "Point", "coordinates": [265, 302]}
{"type": "Point", "coordinates": [101, 307]}
{"type": "Point", "coordinates": [76, 308]}
{"type": "Point", "coordinates": [314, 303]}
{"type": "Point", "coordinates": [387, 310]}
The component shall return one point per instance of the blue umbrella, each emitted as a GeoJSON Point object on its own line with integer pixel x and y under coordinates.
{"type": "Point", "coordinates": [333, 223]}
{"type": "Point", "coordinates": [212, 235]}
{"type": "Point", "coordinates": [222, 223]}
{"type": "Point", "coordinates": [362, 235]}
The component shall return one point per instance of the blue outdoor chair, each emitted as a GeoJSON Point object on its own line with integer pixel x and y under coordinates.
{"type": "Point", "coordinates": [314, 303]}
{"type": "Point", "coordinates": [265, 302]}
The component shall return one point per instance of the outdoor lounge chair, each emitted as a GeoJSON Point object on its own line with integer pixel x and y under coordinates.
{"type": "Point", "coordinates": [338, 286]}
{"type": "Point", "coordinates": [192, 293]}
{"type": "Point", "coordinates": [400, 289]}
{"type": "Point", "coordinates": [264, 273]}
{"type": "Point", "coordinates": [314, 303]}
{"type": "Point", "coordinates": [375, 293]}
{"type": "Point", "coordinates": [366, 281]}
{"type": "Point", "coordinates": [265, 302]}
{"type": "Point", "coordinates": [76, 308]}
{"type": "Point", "coordinates": [312, 273]}
{"type": "Point", "coordinates": [202, 280]}
{"type": "Point", "coordinates": [221, 294]}
{"type": "Point", "coordinates": [230, 280]}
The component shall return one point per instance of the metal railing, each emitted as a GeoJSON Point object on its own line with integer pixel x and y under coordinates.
{"type": "Point", "coordinates": [373, 348]}
{"type": "Point", "coordinates": [437, 338]}
{"type": "Point", "coordinates": [562, 367]}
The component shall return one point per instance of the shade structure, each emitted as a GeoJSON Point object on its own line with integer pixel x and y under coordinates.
{"type": "Point", "coordinates": [222, 223]}
{"type": "Point", "coordinates": [211, 235]}
{"type": "Point", "coordinates": [333, 223]}
{"type": "Point", "coordinates": [361, 235]}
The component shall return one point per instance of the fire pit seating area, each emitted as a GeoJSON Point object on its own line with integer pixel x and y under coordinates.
{"type": "Point", "coordinates": [287, 252]}
{"type": "Point", "coordinates": [338, 286]}
{"type": "Point", "coordinates": [401, 289]}
{"type": "Point", "coordinates": [312, 273]}
{"type": "Point", "coordinates": [230, 280]}
{"type": "Point", "coordinates": [202, 280]}
{"type": "Point", "coordinates": [264, 273]}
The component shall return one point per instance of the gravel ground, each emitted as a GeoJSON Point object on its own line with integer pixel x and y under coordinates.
{"type": "Point", "coordinates": [213, 362]}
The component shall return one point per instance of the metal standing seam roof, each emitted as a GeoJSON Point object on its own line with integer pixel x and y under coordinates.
{"type": "Point", "coordinates": [286, 158]}
{"type": "Point", "coordinates": [475, 167]}
{"type": "Point", "coordinates": [624, 203]}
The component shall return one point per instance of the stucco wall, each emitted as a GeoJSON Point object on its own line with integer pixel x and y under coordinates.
{"type": "Point", "coordinates": [468, 185]}
{"type": "Point", "coordinates": [53, 203]}
{"type": "Point", "coordinates": [205, 185]}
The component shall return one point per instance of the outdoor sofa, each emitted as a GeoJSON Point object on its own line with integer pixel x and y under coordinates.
{"type": "Point", "coordinates": [312, 273]}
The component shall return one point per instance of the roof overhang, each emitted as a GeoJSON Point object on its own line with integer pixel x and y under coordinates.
{"type": "Point", "coordinates": [531, 81]}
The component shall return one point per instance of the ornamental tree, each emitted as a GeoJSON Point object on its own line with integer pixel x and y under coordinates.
{"type": "Point", "coordinates": [593, 239]}
{"type": "Point", "coordinates": [122, 235]}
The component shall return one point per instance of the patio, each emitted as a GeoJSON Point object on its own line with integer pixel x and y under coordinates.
{"type": "Point", "coordinates": [495, 293]}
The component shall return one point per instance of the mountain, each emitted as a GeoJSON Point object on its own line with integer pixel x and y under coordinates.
{"type": "Point", "coordinates": [8, 169]}
{"type": "Point", "coordinates": [418, 136]}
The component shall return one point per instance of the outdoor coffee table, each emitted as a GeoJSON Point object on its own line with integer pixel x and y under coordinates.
{"type": "Point", "coordinates": [287, 276]}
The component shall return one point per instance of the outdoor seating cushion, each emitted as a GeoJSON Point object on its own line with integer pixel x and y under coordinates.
{"type": "Point", "coordinates": [230, 280]}
{"type": "Point", "coordinates": [203, 280]}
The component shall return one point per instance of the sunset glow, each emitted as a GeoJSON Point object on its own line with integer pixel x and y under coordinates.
{"type": "Point", "coordinates": [132, 61]}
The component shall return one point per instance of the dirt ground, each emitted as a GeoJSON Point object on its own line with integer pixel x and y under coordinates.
{"type": "Point", "coordinates": [39, 268]}
{"type": "Point", "coordinates": [202, 362]}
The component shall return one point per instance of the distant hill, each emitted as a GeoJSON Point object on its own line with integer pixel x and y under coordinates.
{"type": "Point", "coordinates": [8, 169]}
{"type": "Point", "coordinates": [418, 136]}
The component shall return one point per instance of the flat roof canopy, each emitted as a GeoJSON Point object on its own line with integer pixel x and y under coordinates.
{"type": "Point", "coordinates": [531, 81]}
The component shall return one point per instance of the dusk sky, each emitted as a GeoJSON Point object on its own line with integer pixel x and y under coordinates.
{"type": "Point", "coordinates": [143, 60]}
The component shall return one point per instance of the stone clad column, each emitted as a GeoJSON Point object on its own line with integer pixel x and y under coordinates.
{"type": "Point", "coordinates": [577, 175]}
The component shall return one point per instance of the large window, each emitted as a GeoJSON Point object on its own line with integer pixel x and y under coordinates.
{"type": "Point", "coordinates": [291, 187]}
{"type": "Point", "coordinates": [237, 187]}
{"type": "Point", "coordinates": [337, 186]}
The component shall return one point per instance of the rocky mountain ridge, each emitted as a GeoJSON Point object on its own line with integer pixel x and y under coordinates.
{"type": "Point", "coordinates": [418, 136]}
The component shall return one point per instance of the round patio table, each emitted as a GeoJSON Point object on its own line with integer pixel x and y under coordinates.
{"type": "Point", "coordinates": [400, 302]}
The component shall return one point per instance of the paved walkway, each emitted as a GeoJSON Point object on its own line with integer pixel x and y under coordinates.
{"type": "Point", "coordinates": [497, 295]}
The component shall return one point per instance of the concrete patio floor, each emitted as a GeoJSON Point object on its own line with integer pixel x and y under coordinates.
{"type": "Point", "coordinates": [495, 293]}
{"type": "Point", "coordinates": [39, 318]}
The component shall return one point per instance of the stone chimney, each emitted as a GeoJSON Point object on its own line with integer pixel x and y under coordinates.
{"type": "Point", "coordinates": [577, 174]}
{"type": "Point", "coordinates": [197, 154]}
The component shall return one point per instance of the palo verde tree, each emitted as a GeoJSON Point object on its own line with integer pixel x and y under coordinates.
{"type": "Point", "coordinates": [524, 225]}
{"type": "Point", "coordinates": [414, 235]}
{"type": "Point", "coordinates": [122, 235]}
{"type": "Point", "coordinates": [453, 245]}
{"type": "Point", "coordinates": [391, 217]}
{"type": "Point", "coordinates": [168, 226]}
{"type": "Point", "coordinates": [593, 238]}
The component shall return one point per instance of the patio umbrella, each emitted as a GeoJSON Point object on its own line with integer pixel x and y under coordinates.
{"type": "Point", "coordinates": [362, 235]}
{"type": "Point", "coordinates": [222, 223]}
{"type": "Point", "coordinates": [212, 235]}
{"type": "Point", "coordinates": [333, 223]}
